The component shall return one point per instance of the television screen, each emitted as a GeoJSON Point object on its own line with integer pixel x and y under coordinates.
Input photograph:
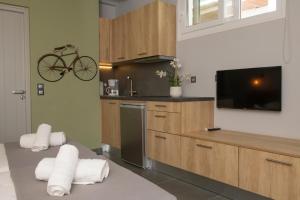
{"type": "Point", "coordinates": [252, 88]}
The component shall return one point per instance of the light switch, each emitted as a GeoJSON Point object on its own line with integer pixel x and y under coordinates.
{"type": "Point", "coordinates": [40, 89]}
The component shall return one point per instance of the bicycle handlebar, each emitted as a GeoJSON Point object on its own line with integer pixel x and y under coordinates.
{"type": "Point", "coordinates": [70, 46]}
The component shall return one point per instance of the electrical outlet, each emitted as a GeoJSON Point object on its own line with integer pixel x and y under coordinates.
{"type": "Point", "coordinates": [193, 79]}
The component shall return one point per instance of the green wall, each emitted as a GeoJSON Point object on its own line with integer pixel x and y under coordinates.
{"type": "Point", "coordinates": [70, 105]}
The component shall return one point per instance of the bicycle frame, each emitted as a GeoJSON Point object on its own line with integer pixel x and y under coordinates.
{"type": "Point", "coordinates": [69, 67]}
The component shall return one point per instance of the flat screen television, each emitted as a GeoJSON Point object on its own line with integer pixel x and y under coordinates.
{"type": "Point", "coordinates": [251, 88]}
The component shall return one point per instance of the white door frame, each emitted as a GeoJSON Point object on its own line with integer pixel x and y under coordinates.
{"type": "Point", "coordinates": [24, 11]}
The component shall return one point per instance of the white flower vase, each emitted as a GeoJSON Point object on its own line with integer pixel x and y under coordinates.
{"type": "Point", "coordinates": [175, 91]}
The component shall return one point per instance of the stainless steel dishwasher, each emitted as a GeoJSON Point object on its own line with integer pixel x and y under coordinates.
{"type": "Point", "coordinates": [133, 129]}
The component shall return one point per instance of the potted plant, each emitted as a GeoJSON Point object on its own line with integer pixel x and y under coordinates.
{"type": "Point", "coordinates": [175, 78]}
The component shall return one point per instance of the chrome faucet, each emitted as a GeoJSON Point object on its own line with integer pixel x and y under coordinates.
{"type": "Point", "coordinates": [131, 91]}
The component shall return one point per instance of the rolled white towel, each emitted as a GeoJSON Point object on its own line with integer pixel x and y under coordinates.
{"type": "Point", "coordinates": [88, 171]}
{"type": "Point", "coordinates": [91, 171]}
{"type": "Point", "coordinates": [42, 138]}
{"type": "Point", "coordinates": [60, 180]}
{"type": "Point", "coordinates": [27, 140]}
{"type": "Point", "coordinates": [56, 139]}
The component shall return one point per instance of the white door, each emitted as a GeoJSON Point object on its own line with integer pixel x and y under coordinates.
{"type": "Point", "coordinates": [14, 70]}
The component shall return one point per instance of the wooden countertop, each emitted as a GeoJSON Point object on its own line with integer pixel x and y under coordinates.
{"type": "Point", "coordinates": [283, 146]}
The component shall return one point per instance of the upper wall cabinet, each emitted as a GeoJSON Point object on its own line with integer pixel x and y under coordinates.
{"type": "Point", "coordinates": [147, 31]}
{"type": "Point", "coordinates": [105, 39]}
{"type": "Point", "coordinates": [120, 38]}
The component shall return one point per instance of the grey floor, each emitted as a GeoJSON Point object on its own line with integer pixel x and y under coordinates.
{"type": "Point", "coordinates": [182, 190]}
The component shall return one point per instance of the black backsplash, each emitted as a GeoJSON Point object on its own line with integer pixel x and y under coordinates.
{"type": "Point", "coordinates": [145, 80]}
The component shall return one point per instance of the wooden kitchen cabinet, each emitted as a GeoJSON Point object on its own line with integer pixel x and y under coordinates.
{"type": "Point", "coordinates": [167, 119]}
{"type": "Point", "coordinates": [163, 147]}
{"type": "Point", "coordinates": [196, 116]}
{"type": "Point", "coordinates": [213, 160]}
{"type": "Point", "coordinates": [164, 106]}
{"type": "Point", "coordinates": [153, 30]}
{"type": "Point", "coordinates": [164, 122]}
{"type": "Point", "coordinates": [105, 40]}
{"type": "Point", "coordinates": [271, 175]}
{"type": "Point", "coordinates": [120, 38]}
{"type": "Point", "coordinates": [182, 118]}
{"type": "Point", "coordinates": [143, 28]}
{"type": "Point", "coordinates": [147, 31]}
{"type": "Point", "coordinates": [111, 123]}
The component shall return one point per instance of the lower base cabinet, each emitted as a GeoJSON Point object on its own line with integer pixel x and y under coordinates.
{"type": "Point", "coordinates": [163, 147]}
{"type": "Point", "coordinates": [111, 123]}
{"type": "Point", "coordinates": [209, 159]}
{"type": "Point", "coordinates": [271, 175]}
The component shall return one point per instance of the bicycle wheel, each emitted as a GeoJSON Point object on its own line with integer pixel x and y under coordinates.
{"type": "Point", "coordinates": [51, 67]}
{"type": "Point", "coordinates": [85, 68]}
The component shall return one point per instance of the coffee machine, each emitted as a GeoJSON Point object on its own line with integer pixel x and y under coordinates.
{"type": "Point", "coordinates": [112, 88]}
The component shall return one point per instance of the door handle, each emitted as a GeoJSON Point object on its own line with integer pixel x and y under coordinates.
{"type": "Point", "coordinates": [279, 162]}
{"type": "Point", "coordinates": [160, 106]}
{"type": "Point", "coordinates": [204, 146]}
{"type": "Point", "coordinates": [160, 116]}
{"type": "Point", "coordinates": [18, 92]}
{"type": "Point", "coordinates": [160, 137]}
{"type": "Point", "coordinates": [142, 53]}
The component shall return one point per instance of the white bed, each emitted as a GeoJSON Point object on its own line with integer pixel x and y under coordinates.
{"type": "Point", "coordinates": [7, 188]}
{"type": "Point", "coordinates": [19, 181]}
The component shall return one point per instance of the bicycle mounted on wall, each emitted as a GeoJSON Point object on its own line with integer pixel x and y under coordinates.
{"type": "Point", "coordinates": [52, 67]}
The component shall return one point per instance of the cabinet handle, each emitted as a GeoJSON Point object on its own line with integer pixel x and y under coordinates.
{"type": "Point", "coordinates": [160, 106]}
{"type": "Point", "coordinates": [160, 137]}
{"type": "Point", "coordinates": [204, 146]}
{"type": "Point", "coordinates": [120, 58]}
{"type": "Point", "coordinates": [279, 162]}
{"type": "Point", "coordinates": [142, 53]}
{"type": "Point", "coordinates": [159, 116]}
{"type": "Point", "coordinates": [112, 103]}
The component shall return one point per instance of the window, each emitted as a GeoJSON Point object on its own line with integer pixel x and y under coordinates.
{"type": "Point", "coordinates": [250, 8]}
{"type": "Point", "coordinates": [201, 17]}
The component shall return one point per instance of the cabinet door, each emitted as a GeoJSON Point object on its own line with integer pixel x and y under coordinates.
{"type": "Point", "coordinates": [111, 123]}
{"type": "Point", "coordinates": [105, 40]}
{"type": "Point", "coordinates": [163, 147]}
{"type": "Point", "coordinates": [225, 163]}
{"type": "Point", "coordinates": [271, 175]}
{"type": "Point", "coordinates": [197, 156]}
{"type": "Point", "coordinates": [213, 160]}
{"type": "Point", "coordinates": [120, 38]}
{"type": "Point", "coordinates": [144, 31]}
{"type": "Point", "coordinates": [254, 171]}
{"type": "Point", "coordinates": [285, 183]}
{"type": "Point", "coordinates": [196, 116]}
{"type": "Point", "coordinates": [163, 122]}
{"type": "Point", "coordinates": [164, 106]}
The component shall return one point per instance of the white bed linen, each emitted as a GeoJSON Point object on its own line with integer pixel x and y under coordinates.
{"type": "Point", "coordinates": [7, 188]}
{"type": "Point", "coordinates": [3, 160]}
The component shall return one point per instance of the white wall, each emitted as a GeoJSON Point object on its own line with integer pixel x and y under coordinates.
{"type": "Point", "coordinates": [253, 46]}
